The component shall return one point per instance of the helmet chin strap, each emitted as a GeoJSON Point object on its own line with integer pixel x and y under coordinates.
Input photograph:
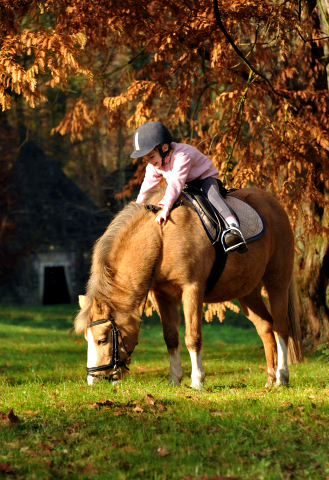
{"type": "Point", "coordinates": [162, 154]}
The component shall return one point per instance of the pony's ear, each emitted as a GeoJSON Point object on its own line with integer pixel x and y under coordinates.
{"type": "Point", "coordinates": [99, 307]}
{"type": "Point", "coordinates": [82, 301]}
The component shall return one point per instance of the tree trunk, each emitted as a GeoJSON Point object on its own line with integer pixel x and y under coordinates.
{"type": "Point", "coordinates": [313, 282]}
{"type": "Point", "coordinates": [323, 13]}
{"type": "Point", "coordinates": [313, 257]}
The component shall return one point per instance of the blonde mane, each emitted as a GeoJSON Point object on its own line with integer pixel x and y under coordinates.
{"type": "Point", "coordinates": [102, 275]}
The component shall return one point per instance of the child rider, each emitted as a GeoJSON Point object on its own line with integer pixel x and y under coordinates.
{"type": "Point", "coordinates": [179, 163]}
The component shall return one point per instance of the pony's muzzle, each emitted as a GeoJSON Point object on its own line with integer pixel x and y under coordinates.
{"type": "Point", "coordinates": [114, 377]}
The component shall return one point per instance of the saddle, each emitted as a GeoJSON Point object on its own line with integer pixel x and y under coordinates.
{"type": "Point", "coordinates": [252, 225]}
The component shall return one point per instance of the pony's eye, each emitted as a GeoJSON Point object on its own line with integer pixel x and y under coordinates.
{"type": "Point", "coordinates": [102, 341]}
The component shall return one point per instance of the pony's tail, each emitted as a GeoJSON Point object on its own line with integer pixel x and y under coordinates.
{"type": "Point", "coordinates": [295, 351]}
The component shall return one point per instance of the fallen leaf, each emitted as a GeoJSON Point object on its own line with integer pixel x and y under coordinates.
{"type": "Point", "coordinates": [105, 403]}
{"type": "Point", "coordinates": [138, 409]}
{"type": "Point", "coordinates": [149, 399]}
{"type": "Point", "coordinates": [46, 451]}
{"type": "Point", "coordinates": [129, 449]}
{"type": "Point", "coordinates": [12, 417]}
{"type": "Point", "coordinates": [205, 477]}
{"type": "Point", "coordinates": [78, 342]}
{"type": "Point", "coordinates": [161, 407]}
{"type": "Point", "coordinates": [315, 415]}
{"type": "Point", "coordinates": [118, 412]}
{"type": "Point", "coordinates": [4, 467]}
{"type": "Point", "coordinates": [267, 451]}
{"type": "Point", "coordinates": [162, 451]}
{"type": "Point", "coordinates": [90, 469]}
{"type": "Point", "coordinates": [31, 412]}
{"type": "Point", "coordinates": [32, 453]}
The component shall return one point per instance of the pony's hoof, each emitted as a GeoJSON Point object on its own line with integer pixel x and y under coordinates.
{"type": "Point", "coordinates": [196, 386]}
{"type": "Point", "coordinates": [282, 377]}
{"type": "Point", "coordinates": [270, 381]}
{"type": "Point", "coordinates": [174, 381]}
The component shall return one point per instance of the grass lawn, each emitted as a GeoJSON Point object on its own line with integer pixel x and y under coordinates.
{"type": "Point", "coordinates": [54, 426]}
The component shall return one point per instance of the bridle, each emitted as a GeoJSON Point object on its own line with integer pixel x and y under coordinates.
{"type": "Point", "coordinates": [116, 364]}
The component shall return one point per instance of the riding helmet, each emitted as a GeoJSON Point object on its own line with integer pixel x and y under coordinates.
{"type": "Point", "coordinates": [149, 136]}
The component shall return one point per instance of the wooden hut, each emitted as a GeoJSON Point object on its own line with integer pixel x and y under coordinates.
{"type": "Point", "coordinates": [56, 225]}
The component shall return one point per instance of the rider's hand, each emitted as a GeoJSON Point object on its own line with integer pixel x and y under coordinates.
{"type": "Point", "coordinates": [163, 215]}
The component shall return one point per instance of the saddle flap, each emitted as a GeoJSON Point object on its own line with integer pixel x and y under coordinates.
{"type": "Point", "coordinates": [204, 204]}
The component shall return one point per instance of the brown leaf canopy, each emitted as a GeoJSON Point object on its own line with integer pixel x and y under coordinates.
{"type": "Point", "coordinates": [247, 86]}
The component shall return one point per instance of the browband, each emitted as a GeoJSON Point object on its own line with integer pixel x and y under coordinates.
{"type": "Point", "coordinates": [102, 320]}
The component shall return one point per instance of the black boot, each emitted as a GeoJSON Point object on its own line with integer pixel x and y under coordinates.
{"type": "Point", "coordinates": [232, 240]}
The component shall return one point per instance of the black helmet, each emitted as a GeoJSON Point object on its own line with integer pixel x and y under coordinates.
{"type": "Point", "coordinates": [149, 136]}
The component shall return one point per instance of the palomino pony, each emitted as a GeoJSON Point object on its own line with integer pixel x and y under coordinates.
{"type": "Point", "coordinates": [173, 261]}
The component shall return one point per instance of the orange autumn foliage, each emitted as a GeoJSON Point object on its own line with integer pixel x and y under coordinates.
{"type": "Point", "coordinates": [248, 87]}
{"type": "Point", "coordinates": [244, 81]}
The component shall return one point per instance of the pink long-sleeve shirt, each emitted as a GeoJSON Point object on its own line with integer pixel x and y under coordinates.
{"type": "Point", "coordinates": [184, 164]}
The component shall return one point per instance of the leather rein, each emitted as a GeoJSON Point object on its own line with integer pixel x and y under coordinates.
{"type": "Point", "coordinates": [116, 364]}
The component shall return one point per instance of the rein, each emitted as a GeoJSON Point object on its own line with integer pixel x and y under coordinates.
{"type": "Point", "coordinates": [116, 363]}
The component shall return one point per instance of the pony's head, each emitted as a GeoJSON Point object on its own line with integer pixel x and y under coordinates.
{"type": "Point", "coordinates": [111, 336]}
{"type": "Point", "coordinates": [120, 273]}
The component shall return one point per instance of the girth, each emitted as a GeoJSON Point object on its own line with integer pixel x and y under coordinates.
{"type": "Point", "coordinates": [192, 188]}
{"type": "Point", "coordinates": [116, 364]}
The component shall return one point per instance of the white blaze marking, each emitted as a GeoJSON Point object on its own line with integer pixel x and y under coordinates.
{"type": "Point", "coordinates": [91, 355]}
{"type": "Point", "coordinates": [136, 141]}
{"type": "Point", "coordinates": [197, 374]}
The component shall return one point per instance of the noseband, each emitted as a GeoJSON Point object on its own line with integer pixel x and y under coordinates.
{"type": "Point", "coordinates": [115, 364]}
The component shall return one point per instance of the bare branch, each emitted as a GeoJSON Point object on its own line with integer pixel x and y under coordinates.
{"type": "Point", "coordinates": [238, 52]}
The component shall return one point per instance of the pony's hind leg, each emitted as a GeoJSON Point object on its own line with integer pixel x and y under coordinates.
{"type": "Point", "coordinates": [168, 310]}
{"type": "Point", "coordinates": [193, 305]}
{"type": "Point", "coordinates": [278, 298]}
{"type": "Point", "coordinates": [255, 309]}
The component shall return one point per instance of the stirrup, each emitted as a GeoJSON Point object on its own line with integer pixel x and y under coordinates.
{"type": "Point", "coordinates": [241, 246]}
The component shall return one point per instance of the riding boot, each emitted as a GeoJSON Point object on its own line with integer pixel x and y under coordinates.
{"type": "Point", "coordinates": [232, 238]}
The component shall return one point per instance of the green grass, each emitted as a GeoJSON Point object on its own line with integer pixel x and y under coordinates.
{"type": "Point", "coordinates": [149, 430]}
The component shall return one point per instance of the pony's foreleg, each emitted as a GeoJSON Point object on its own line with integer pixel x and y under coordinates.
{"type": "Point", "coordinates": [168, 310]}
{"type": "Point", "coordinates": [255, 309]}
{"type": "Point", "coordinates": [193, 304]}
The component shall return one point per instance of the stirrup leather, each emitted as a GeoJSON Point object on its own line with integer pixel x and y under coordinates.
{"type": "Point", "coordinates": [234, 247]}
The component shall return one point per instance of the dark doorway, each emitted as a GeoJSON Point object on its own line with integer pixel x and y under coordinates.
{"type": "Point", "coordinates": [55, 290]}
